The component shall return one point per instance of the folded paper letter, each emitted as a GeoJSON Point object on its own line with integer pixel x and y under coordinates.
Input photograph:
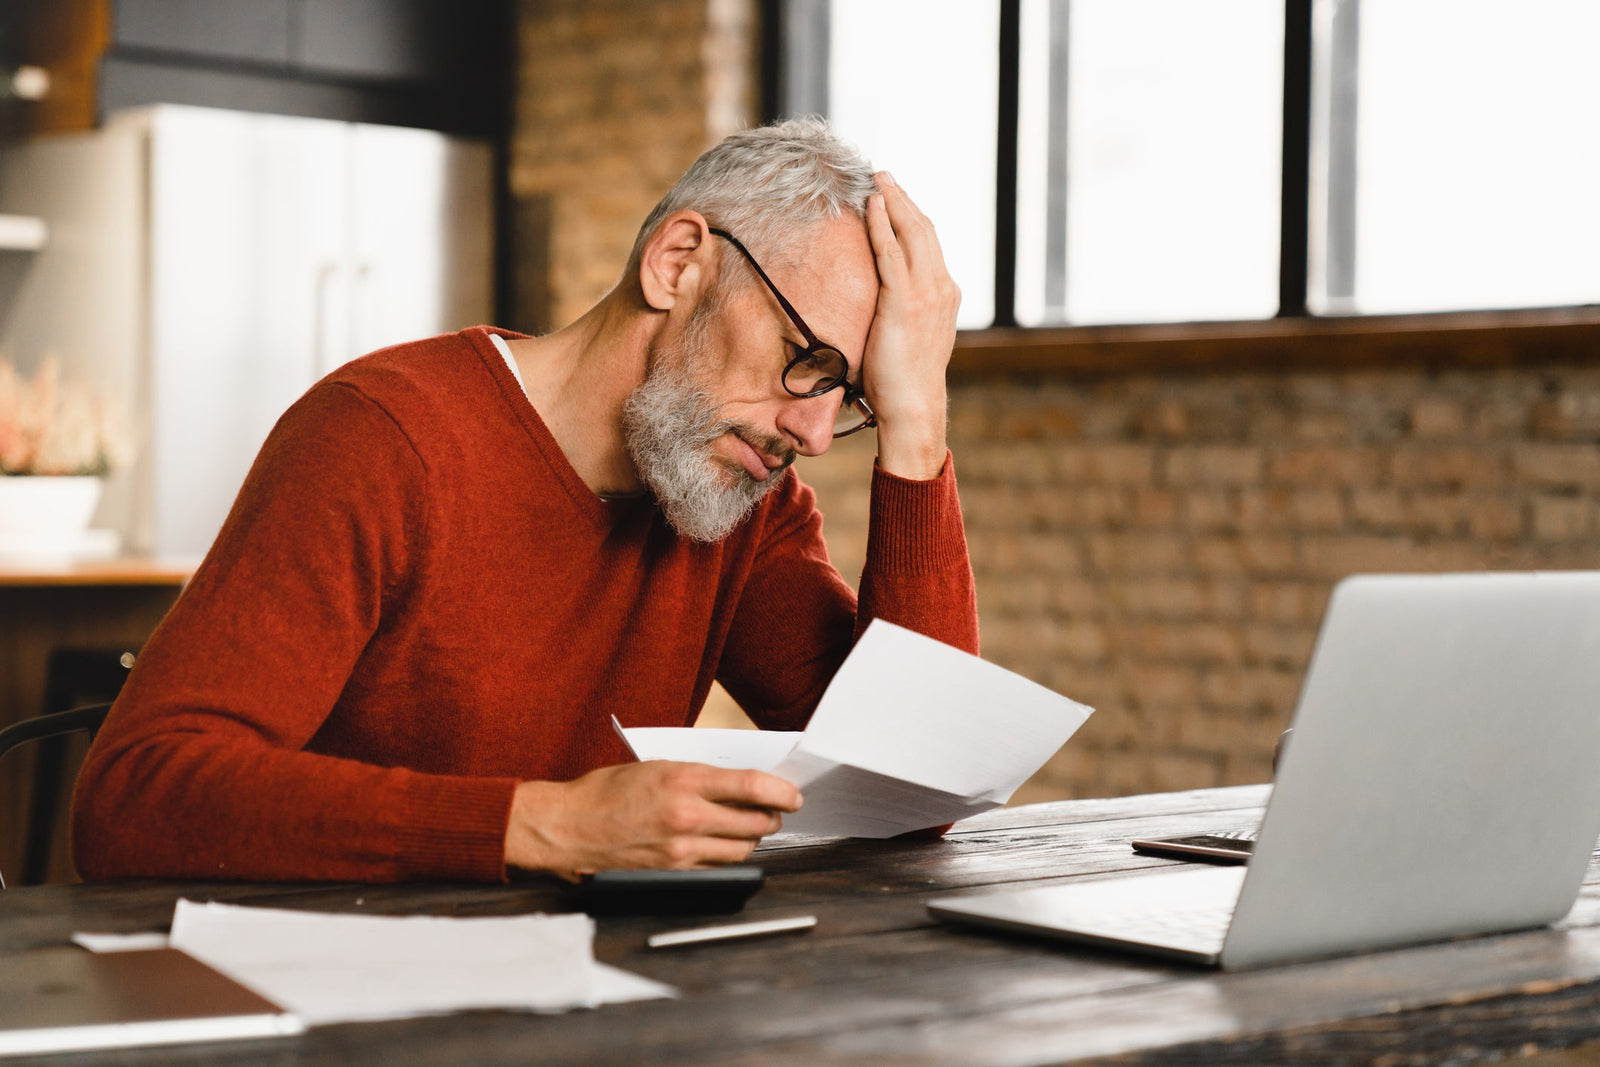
{"type": "Point", "coordinates": [911, 733]}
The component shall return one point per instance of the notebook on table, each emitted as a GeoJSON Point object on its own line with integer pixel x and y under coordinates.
{"type": "Point", "coordinates": [66, 999]}
{"type": "Point", "coordinates": [1441, 782]}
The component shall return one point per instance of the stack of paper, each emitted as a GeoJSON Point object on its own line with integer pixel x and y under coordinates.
{"type": "Point", "coordinates": [911, 733]}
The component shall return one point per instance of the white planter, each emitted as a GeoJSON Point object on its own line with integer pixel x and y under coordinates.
{"type": "Point", "coordinates": [47, 516]}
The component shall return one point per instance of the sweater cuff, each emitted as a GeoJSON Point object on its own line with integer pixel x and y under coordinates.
{"type": "Point", "coordinates": [453, 829]}
{"type": "Point", "coordinates": [916, 526]}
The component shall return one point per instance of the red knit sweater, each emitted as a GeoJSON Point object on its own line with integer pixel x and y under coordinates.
{"type": "Point", "coordinates": [416, 602]}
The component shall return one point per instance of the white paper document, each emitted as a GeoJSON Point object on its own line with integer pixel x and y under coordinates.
{"type": "Point", "coordinates": [350, 968]}
{"type": "Point", "coordinates": [911, 733]}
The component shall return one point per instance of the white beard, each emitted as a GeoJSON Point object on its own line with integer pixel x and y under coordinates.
{"type": "Point", "coordinates": [670, 423]}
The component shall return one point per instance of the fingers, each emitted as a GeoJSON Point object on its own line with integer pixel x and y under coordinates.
{"type": "Point", "coordinates": [886, 250]}
{"type": "Point", "coordinates": [655, 814]}
{"type": "Point", "coordinates": [755, 789]}
{"type": "Point", "coordinates": [913, 230]}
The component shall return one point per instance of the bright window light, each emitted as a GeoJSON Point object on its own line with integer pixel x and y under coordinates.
{"type": "Point", "coordinates": [915, 85]}
{"type": "Point", "coordinates": [1150, 169]}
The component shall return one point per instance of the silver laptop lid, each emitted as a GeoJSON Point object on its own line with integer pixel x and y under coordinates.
{"type": "Point", "coordinates": [1444, 773]}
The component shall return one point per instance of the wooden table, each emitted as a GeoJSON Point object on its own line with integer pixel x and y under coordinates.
{"type": "Point", "coordinates": [90, 603]}
{"type": "Point", "coordinates": [878, 983]}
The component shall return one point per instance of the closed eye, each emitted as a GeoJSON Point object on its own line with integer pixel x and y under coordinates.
{"type": "Point", "coordinates": [808, 358]}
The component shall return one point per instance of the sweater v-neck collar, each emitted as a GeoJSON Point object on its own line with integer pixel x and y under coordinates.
{"type": "Point", "coordinates": [602, 512]}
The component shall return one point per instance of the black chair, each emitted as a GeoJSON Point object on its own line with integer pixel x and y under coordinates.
{"type": "Point", "coordinates": [50, 727]}
{"type": "Point", "coordinates": [75, 676]}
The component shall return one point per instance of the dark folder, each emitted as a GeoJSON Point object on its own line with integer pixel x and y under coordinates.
{"type": "Point", "coordinates": [62, 999]}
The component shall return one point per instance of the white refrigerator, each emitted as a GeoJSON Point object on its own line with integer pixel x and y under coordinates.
{"type": "Point", "coordinates": [205, 267]}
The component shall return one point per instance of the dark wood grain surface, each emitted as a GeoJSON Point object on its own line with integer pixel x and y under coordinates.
{"type": "Point", "coordinates": [878, 982]}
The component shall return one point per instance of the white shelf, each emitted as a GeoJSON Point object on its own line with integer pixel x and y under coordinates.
{"type": "Point", "coordinates": [22, 233]}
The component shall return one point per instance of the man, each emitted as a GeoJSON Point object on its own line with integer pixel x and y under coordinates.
{"type": "Point", "coordinates": [455, 560]}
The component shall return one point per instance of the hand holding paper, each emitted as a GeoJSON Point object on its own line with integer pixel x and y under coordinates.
{"type": "Point", "coordinates": [911, 733]}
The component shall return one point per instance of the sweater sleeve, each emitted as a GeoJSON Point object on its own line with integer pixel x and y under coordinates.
{"type": "Point", "coordinates": [203, 768]}
{"type": "Point", "coordinates": [797, 619]}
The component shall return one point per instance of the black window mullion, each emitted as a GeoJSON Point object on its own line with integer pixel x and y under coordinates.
{"type": "Point", "coordinates": [1005, 209]}
{"type": "Point", "coordinates": [1295, 210]}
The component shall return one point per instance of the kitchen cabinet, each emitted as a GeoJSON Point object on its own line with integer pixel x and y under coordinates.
{"type": "Point", "coordinates": [211, 265]}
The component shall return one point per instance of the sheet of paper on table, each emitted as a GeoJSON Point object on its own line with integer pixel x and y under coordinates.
{"type": "Point", "coordinates": [328, 968]}
{"type": "Point", "coordinates": [911, 733]}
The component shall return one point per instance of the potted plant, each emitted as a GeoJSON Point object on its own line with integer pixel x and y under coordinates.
{"type": "Point", "coordinates": [58, 440]}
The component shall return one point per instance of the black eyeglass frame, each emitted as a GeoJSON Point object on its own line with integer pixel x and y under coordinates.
{"type": "Point", "coordinates": [815, 346]}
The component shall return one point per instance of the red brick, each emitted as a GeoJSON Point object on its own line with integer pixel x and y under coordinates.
{"type": "Point", "coordinates": [1081, 641]}
{"type": "Point", "coordinates": [1288, 601]}
{"type": "Point", "coordinates": [1222, 733]}
{"type": "Point", "coordinates": [1165, 687]}
{"type": "Point", "coordinates": [1163, 598]}
{"type": "Point", "coordinates": [1154, 507]}
{"type": "Point", "coordinates": [1557, 518]}
{"type": "Point", "coordinates": [1268, 692]}
{"type": "Point", "coordinates": [1321, 426]}
{"type": "Point", "coordinates": [1436, 513]}
{"type": "Point", "coordinates": [1218, 465]}
{"type": "Point", "coordinates": [1279, 645]}
{"type": "Point", "coordinates": [1174, 771]}
{"type": "Point", "coordinates": [1336, 557]}
{"type": "Point", "coordinates": [1074, 597]}
{"type": "Point", "coordinates": [1448, 466]}
{"type": "Point", "coordinates": [1087, 507]}
{"type": "Point", "coordinates": [1269, 555]}
{"type": "Point", "coordinates": [1571, 415]}
{"type": "Point", "coordinates": [1341, 464]}
{"type": "Point", "coordinates": [1246, 768]}
{"type": "Point", "coordinates": [1208, 509]}
{"type": "Point", "coordinates": [1316, 509]}
{"type": "Point", "coordinates": [1138, 553]}
{"type": "Point", "coordinates": [1497, 518]}
{"type": "Point", "coordinates": [1438, 417]}
{"type": "Point", "coordinates": [1558, 466]}
{"type": "Point", "coordinates": [1105, 464]}
{"type": "Point", "coordinates": [1377, 509]}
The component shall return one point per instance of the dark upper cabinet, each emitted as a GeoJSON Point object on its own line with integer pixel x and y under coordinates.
{"type": "Point", "coordinates": [255, 31]}
{"type": "Point", "coordinates": [412, 40]}
{"type": "Point", "coordinates": [441, 64]}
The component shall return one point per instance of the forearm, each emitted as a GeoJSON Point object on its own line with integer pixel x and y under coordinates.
{"type": "Point", "coordinates": [917, 572]}
{"type": "Point", "coordinates": [911, 441]}
{"type": "Point", "coordinates": [183, 803]}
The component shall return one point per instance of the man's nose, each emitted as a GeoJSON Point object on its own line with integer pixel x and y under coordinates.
{"type": "Point", "coordinates": [808, 422]}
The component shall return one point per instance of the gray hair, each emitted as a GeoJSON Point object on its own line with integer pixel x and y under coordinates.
{"type": "Point", "coordinates": [765, 184]}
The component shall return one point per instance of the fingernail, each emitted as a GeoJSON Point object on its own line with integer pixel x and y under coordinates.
{"type": "Point", "coordinates": [885, 178]}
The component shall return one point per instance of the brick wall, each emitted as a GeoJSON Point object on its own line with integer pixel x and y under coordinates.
{"type": "Point", "coordinates": [615, 99]}
{"type": "Point", "coordinates": [1163, 547]}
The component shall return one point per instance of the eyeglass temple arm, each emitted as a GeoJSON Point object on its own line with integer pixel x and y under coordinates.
{"type": "Point", "coordinates": [788, 308]}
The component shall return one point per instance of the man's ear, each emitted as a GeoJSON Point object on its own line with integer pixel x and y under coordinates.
{"type": "Point", "coordinates": [672, 263]}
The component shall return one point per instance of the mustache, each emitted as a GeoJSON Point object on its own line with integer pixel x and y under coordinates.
{"type": "Point", "coordinates": [767, 445]}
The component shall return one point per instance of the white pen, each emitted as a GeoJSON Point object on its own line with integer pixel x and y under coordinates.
{"type": "Point", "coordinates": [729, 931]}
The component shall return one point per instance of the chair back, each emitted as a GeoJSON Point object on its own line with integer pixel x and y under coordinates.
{"type": "Point", "coordinates": [55, 724]}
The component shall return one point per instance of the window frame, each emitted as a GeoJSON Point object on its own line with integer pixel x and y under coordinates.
{"type": "Point", "coordinates": [1295, 337]}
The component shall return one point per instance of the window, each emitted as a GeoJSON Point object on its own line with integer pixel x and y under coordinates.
{"type": "Point", "coordinates": [926, 109]}
{"type": "Point", "coordinates": [1469, 165]}
{"type": "Point", "coordinates": [1183, 160]}
{"type": "Point", "coordinates": [1149, 157]}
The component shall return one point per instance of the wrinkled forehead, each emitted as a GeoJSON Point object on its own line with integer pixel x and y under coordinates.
{"type": "Point", "coordinates": [827, 273]}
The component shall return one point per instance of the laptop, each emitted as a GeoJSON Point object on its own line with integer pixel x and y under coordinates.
{"type": "Point", "coordinates": [1441, 782]}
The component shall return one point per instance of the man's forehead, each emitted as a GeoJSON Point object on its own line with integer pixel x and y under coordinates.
{"type": "Point", "coordinates": [835, 282]}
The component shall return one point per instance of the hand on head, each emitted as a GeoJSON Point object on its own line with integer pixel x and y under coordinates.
{"type": "Point", "coordinates": [657, 814]}
{"type": "Point", "coordinates": [913, 332]}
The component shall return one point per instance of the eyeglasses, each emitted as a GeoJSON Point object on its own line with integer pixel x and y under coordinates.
{"type": "Point", "coordinates": [817, 368]}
